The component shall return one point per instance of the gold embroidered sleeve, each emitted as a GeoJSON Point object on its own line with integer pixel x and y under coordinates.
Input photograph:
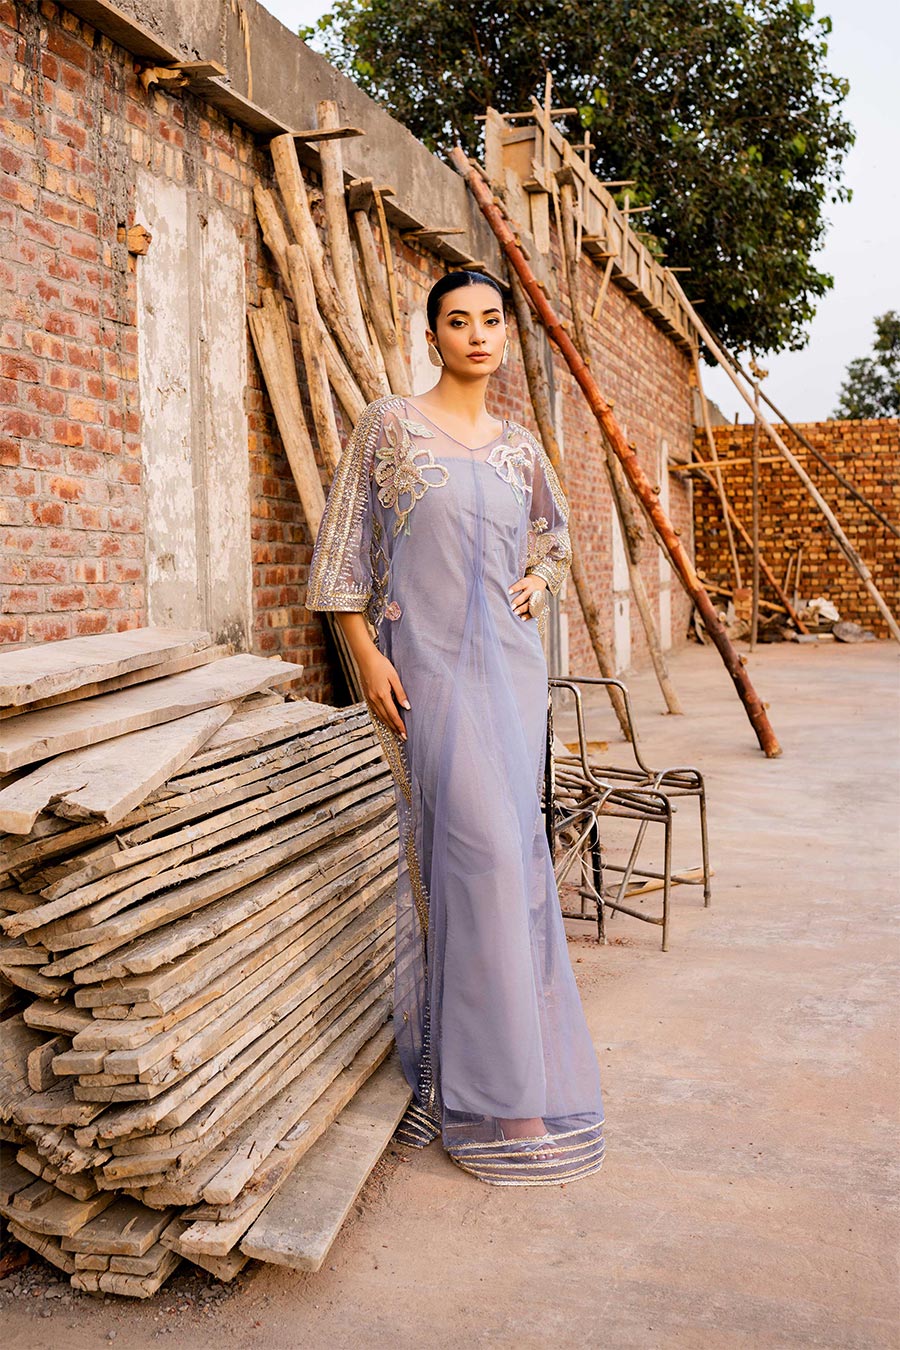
{"type": "Point", "coordinates": [549, 545]}
{"type": "Point", "coordinates": [340, 574]}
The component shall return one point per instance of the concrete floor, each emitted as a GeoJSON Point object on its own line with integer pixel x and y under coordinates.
{"type": "Point", "coordinates": [750, 1078]}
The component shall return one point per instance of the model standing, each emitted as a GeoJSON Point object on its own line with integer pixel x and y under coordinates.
{"type": "Point", "coordinates": [445, 528]}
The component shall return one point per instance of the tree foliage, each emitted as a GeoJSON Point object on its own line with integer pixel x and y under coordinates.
{"type": "Point", "coordinates": [723, 111]}
{"type": "Point", "coordinates": [872, 385]}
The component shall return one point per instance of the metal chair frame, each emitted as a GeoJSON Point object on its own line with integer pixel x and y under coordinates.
{"type": "Point", "coordinates": [580, 790]}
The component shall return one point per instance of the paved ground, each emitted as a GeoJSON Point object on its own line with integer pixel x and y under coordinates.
{"type": "Point", "coordinates": [750, 1078]}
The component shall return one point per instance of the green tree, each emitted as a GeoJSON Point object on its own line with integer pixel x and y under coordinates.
{"type": "Point", "coordinates": [872, 386]}
{"type": "Point", "coordinates": [723, 111]}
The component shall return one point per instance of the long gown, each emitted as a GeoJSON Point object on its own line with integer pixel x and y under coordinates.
{"type": "Point", "coordinates": [425, 535]}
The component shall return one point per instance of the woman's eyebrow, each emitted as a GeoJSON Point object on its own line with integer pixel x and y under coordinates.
{"type": "Point", "coordinates": [495, 309]}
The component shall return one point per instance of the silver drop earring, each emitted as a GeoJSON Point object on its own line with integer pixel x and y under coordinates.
{"type": "Point", "coordinates": [434, 355]}
{"type": "Point", "coordinates": [505, 352]}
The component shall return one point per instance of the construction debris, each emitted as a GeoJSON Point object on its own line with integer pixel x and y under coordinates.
{"type": "Point", "coordinates": [197, 983]}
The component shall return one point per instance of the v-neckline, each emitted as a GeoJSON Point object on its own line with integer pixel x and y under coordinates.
{"type": "Point", "coordinates": [472, 448]}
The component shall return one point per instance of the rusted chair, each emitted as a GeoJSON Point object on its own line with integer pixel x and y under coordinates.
{"type": "Point", "coordinates": [576, 783]}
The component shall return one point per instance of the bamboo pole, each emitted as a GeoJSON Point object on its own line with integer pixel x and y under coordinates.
{"type": "Point", "coordinates": [604, 287]}
{"type": "Point", "coordinates": [334, 311]}
{"type": "Point", "coordinates": [717, 472]}
{"type": "Point", "coordinates": [540, 402]}
{"type": "Point", "coordinates": [631, 532]}
{"type": "Point", "coordinates": [831, 520]}
{"type": "Point", "coordinates": [331, 161]}
{"type": "Point", "coordinates": [389, 263]}
{"type": "Point", "coordinates": [677, 552]}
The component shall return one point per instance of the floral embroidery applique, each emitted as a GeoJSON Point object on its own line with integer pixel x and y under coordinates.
{"type": "Point", "coordinates": [511, 463]}
{"type": "Point", "coordinates": [403, 473]}
{"type": "Point", "coordinates": [541, 545]}
{"type": "Point", "coordinates": [392, 610]}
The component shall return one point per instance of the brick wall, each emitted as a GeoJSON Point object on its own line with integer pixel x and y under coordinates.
{"type": "Point", "coordinates": [867, 454]}
{"type": "Point", "coordinates": [76, 125]}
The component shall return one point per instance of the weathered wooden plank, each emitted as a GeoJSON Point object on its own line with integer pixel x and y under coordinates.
{"type": "Point", "coordinates": [297, 836]}
{"type": "Point", "coordinates": [108, 780]}
{"type": "Point", "coordinates": [50, 668]}
{"type": "Point", "coordinates": [59, 1217]}
{"type": "Point", "coordinates": [219, 1237]}
{"type": "Point", "coordinates": [57, 1017]}
{"type": "Point", "coordinates": [38, 735]}
{"type": "Point", "coordinates": [13, 1176]}
{"type": "Point", "coordinates": [140, 1286]}
{"type": "Point", "coordinates": [47, 1247]}
{"type": "Point", "coordinates": [300, 1223]}
{"type": "Point", "coordinates": [125, 1228]}
{"type": "Point", "coordinates": [39, 1065]}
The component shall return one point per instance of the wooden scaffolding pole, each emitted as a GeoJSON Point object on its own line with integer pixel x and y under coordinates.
{"type": "Point", "coordinates": [634, 472]}
{"type": "Point", "coordinates": [831, 520]}
{"type": "Point", "coordinates": [631, 531]}
{"type": "Point", "coordinates": [540, 402]}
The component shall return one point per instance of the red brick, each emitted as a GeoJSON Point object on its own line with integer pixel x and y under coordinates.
{"type": "Point", "coordinates": [70, 597]}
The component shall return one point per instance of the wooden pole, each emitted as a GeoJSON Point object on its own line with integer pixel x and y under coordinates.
{"type": "Point", "coordinates": [331, 160]}
{"type": "Point", "coordinates": [540, 402]}
{"type": "Point", "coordinates": [754, 475]}
{"type": "Point", "coordinates": [831, 520]}
{"type": "Point", "coordinates": [604, 287]}
{"type": "Point", "coordinates": [717, 472]}
{"type": "Point", "coordinates": [631, 532]}
{"type": "Point", "coordinates": [274, 350]}
{"type": "Point", "coordinates": [314, 356]}
{"type": "Point", "coordinates": [296, 205]}
{"type": "Point", "coordinates": [382, 318]}
{"type": "Point", "coordinates": [634, 472]}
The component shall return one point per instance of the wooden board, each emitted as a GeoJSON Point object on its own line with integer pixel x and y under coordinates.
{"type": "Point", "coordinates": [125, 1228]}
{"type": "Point", "coordinates": [39, 735]}
{"type": "Point", "coordinates": [300, 1223]}
{"type": "Point", "coordinates": [52, 667]}
{"type": "Point", "coordinates": [108, 780]}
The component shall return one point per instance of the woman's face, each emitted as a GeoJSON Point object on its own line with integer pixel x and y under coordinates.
{"type": "Point", "coordinates": [471, 330]}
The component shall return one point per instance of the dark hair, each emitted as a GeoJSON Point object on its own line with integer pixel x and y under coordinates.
{"type": "Point", "coordinates": [451, 282]}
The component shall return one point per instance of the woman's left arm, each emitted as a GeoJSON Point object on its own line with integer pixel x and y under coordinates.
{"type": "Point", "coordinates": [549, 546]}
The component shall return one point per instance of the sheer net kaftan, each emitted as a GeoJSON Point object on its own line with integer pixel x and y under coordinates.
{"type": "Point", "coordinates": [425, 536]}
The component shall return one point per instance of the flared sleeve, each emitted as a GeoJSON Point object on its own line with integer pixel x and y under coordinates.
{"type": "Point", "coordinates": [549, 546]}
{"type": "Point", "coordinates": [340, 574]}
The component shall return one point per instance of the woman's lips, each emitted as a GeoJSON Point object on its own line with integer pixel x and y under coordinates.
{"type": "Point", "coordinates": [478, 356]}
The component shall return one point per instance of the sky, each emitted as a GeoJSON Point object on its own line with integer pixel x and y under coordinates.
{"type": "Point", "coordinates": [863, 240]}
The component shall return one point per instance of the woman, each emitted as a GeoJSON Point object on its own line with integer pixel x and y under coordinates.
{"type": "Point", "coordinates": [445, 527]}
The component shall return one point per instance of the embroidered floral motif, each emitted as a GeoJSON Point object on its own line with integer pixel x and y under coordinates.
{"type": "Point", "coordinates": [512, 462]}
{"type": "Point", "coordinates": [392, 610]}
{"type": "Point", "coordinates": [404, 473]}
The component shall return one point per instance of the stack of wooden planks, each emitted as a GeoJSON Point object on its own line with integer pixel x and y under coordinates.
{"type": "Point", "coordinates": [198, 957]}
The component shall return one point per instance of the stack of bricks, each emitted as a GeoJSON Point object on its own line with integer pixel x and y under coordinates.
{"type": "Point", "coordinates": [867, 454]}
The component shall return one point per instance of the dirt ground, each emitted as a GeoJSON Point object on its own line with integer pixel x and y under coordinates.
{"type": "Point", "coordinates": [750, 1080]}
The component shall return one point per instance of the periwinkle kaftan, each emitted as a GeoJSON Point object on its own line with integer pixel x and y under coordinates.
{"type": "Point", "coordinates": [425, 536]}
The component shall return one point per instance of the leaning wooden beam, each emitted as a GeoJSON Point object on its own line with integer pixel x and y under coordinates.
{"type": "Point", "coordinates": [387, 335]}
{"type": "Point", "coordinates": [331, 303]}
{"type": "Point", "coordinates": [540, 402]}
{"type": "Point", "coordinates": [314, 356]}
{"type": "Point", "coordinates": [331, 160]}
{"type": "Point", "coordinates": [631, 535]}
{"type": "Point", "coordinates": [834, 526]}
{"type": "Point", "coordinates": [717, 472]}
{"type": "Point", "coordinates": [268, 327]}
{"type": "Point", "coordinates": [640, 483]}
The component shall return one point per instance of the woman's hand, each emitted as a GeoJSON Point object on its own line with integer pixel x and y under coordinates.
{"type": "Point", "coordinates": [522, 591]}
{"type": "Point", "coordinates": [380, 682]}
{"type": "Point", "coordinates": [381, 687]}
